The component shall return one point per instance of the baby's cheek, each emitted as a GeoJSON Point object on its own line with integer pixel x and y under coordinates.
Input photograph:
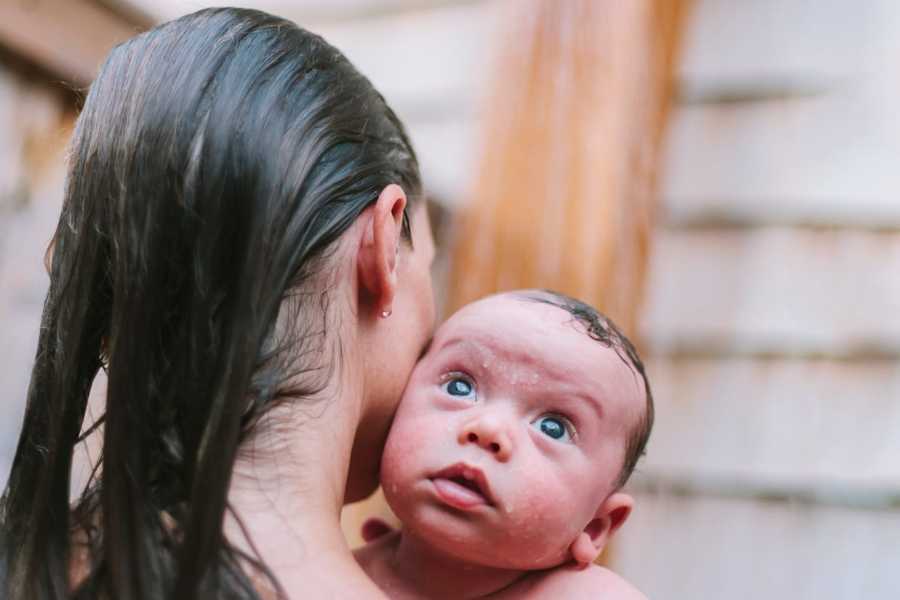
{"type": "Point", "coordinates": [544, 522]}
{"type": "Point", "coordinates": [407, 444]}
{"type": "Point", "coordinates": [408, 433]}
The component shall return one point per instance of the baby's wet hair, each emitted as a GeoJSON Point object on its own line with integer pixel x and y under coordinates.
{"type": "Point", "coordinates": [601, 328]}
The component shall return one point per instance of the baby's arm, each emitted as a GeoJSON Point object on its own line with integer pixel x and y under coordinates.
{"type": "Point", "coordinates": [574, 583]}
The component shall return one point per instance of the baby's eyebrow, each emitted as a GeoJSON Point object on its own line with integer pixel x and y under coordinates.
{"type": "Point", "coordinates": [461, 341]}
{"type": "Point", "coordinates": [576, 395]}
{"type": "Point", "coordinates": [594, 404]}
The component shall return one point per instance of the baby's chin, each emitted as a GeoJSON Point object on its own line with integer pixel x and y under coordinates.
{"type": "Point", "coordinates": [452, 537]}
{"type": "Point", "coordinates": [508, 556]}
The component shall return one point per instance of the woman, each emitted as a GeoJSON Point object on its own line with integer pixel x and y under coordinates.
{"type": "Point", "coordinates": [244, 250]}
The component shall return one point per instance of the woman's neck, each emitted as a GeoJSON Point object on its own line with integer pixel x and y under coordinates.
{"type": "Point", "coordinates": [427, 573]}
{"type": "Point", "coordinates": [287, 491]}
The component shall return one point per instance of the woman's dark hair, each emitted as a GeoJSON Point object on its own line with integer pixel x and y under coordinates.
{"type": "Point", "coordinates": [217, 157]}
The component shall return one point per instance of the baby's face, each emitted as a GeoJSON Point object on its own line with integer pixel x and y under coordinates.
{"type": "Point", "coordinates": [510, 435]}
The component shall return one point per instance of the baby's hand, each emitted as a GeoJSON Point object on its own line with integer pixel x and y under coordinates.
{"type": "Point", "coordinates": [374, 528]}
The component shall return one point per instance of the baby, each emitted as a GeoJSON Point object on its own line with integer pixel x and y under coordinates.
{"type": "Point", "coordinates": [508, 452]}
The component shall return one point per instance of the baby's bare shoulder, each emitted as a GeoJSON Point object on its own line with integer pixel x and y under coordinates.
{"type": "Point", "coordinates": [591, 583]}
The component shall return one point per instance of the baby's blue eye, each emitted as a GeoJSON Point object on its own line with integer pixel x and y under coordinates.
{"type": "Point", "coordinates": [554, 427]}
{"type": "Point", "coordinates": [459, 387]}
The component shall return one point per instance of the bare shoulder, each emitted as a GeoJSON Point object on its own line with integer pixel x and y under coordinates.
{"type": "Point", "coordinates": [591, 583]}
{"type": "Point", "coordinates": [373, 555]}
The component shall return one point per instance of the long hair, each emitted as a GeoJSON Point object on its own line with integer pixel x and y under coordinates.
{"type": "Point", "coordinates": [216, 159]}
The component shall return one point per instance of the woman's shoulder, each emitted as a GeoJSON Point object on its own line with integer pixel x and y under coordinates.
{"type": "Point", "coordinates": [569, 581]}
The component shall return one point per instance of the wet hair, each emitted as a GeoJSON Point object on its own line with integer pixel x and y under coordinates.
{"type": "Point", "coordinates": [217, 159]}
{"type": "Point", "coordinates": [601, 328]}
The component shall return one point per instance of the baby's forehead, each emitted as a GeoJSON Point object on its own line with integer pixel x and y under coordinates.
{"type": "Point", "coordinates": [520, 331]}
{"type": "Point", "coordinates": [495, 313]}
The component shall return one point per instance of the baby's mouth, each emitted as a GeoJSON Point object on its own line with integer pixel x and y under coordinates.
{"type": "Point", "coordinates": [463, 486]}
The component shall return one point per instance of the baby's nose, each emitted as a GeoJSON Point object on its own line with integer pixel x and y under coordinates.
{"type": "Point", "coordinates": [489, 432]}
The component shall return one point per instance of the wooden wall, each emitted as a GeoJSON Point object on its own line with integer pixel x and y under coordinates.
{"type": "Point", "coordinates": [564, 193]}
{"type": "Point", "coordinates": [773, 313]}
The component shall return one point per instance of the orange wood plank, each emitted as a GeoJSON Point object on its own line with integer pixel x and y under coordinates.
{"type": "Point", "coordinates": [68, 38]}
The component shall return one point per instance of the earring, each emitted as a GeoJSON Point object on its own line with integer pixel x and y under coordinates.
{"type": "Point", "coordinates": [386, 313]}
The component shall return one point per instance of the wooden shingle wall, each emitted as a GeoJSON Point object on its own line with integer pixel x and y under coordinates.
{"type": "Point", "coordinates": [773, 318]}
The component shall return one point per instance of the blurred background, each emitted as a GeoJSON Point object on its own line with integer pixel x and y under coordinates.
{"type": "Point", "coordinates": [721, 176]}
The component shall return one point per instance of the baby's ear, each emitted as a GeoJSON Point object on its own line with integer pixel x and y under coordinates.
{"type": "Point", "coordinates": [608, 518]}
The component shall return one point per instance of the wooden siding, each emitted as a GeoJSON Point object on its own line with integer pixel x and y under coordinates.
{"type": "Point", "coordinates": [775, 290]}
{"type": "Point", "coordinates": [818, 426]}
{"type": "Point", "coordinates": [68, 38]}
{"type": "Point", "coordinates": [772, 312]}
{"type": "Point", "coordinates": [713, 548]}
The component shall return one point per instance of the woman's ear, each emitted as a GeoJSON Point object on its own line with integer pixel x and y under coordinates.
{"type": "Point", "coordinates": [609, 517]}
{"type": "Point", "coordinates": [379, 248]}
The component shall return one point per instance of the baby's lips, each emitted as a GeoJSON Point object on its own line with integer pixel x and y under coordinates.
{"type": "Point", "coordinates": [468, 482]}
{"type": "Point", "coordinates": [457, 495]}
